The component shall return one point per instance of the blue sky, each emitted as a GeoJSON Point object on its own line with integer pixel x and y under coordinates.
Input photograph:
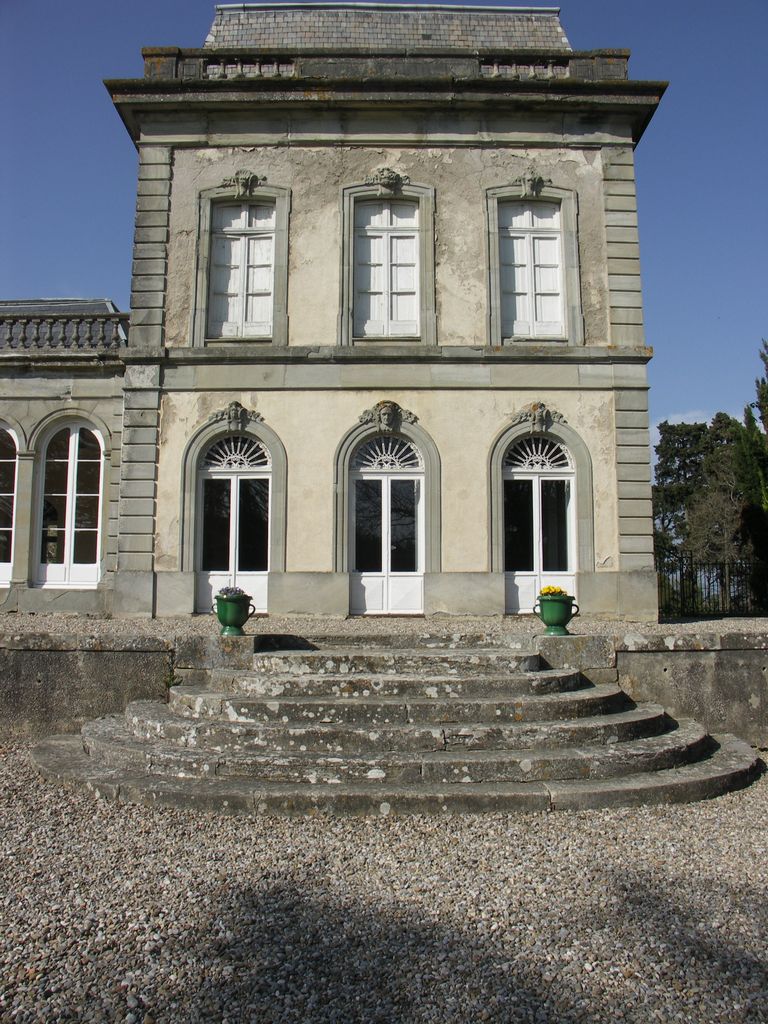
{"type": "Point", "coordinates": [67, 172]}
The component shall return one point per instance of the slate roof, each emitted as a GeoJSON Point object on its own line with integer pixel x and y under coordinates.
{"type": "Point", "coordinates": [335, 27]}
{"type": "Point", "coordinates": [55, 307]}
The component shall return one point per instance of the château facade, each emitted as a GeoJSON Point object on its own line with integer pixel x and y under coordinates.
{"type": "Point", "coordinates": [385, 352]}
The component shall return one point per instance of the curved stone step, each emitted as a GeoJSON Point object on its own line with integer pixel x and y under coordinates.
{"type": "Point", "coordinates": [732, 765]}
{"type": "Point", "coordinates": [467, 662]}
{"type": "Point", "coordinates": [108, 741]}
{"type": "Point", "coordinates": [148, 720]}
{"type": "Point", "coordinates": [487, 684]}
{"type": "Point", "coordinates": [430, 641]}
{"type": "Point", "coordinates": [376, 710]}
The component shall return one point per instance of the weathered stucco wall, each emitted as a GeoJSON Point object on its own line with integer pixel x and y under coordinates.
{"type": "Point", "coordinates": [55, 683]}
{"type": "Point", "coordinates": [463, 425]}
{"type": "Point", "coordinates": [460, 175]}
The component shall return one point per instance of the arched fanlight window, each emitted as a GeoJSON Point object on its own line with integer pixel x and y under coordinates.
{"type": "Point", "coordinates": [70, 541]}
{"type": "Point", "coordinates": [389, 453]}
{"type": "Point", "coordinates": [538, 454]}
{"type": "Point", "coordinates": [237, 452]}
{"type": "Point", "coordinates": [7, 501]}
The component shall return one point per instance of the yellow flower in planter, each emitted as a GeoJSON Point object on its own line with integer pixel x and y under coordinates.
{"type": "Point", "coordinates": [553, 592]}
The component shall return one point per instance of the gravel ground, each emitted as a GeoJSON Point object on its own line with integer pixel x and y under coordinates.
{"type": "Point", "coordinates": [135, 915]}
{"type": "Point", "coordinates": [515, 625]}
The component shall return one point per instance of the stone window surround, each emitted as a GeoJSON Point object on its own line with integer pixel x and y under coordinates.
{"type": "Point", "coordinates": [39, 443]}
{"type": "Point", "coordinates": [582, 471]}
{"type": "Point", "coordinates": [281, 197]}
{"type": "Point", "coordinates": [425, 196]}
{"type": "Point", "coordinates": [432, 490]}
{"type": "Point", "coordinates": [568, 200]}
{"type": "Point", "coordinates": [189, 519]}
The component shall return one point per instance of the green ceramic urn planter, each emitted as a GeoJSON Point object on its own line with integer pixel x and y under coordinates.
{"type": "Point", "coordinates": [555, 609]}
{"type": "Point", "coordinates": [233, 609]}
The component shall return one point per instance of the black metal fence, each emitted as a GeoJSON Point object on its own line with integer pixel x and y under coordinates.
{"type": "Point", "coordinates": [691, 588]}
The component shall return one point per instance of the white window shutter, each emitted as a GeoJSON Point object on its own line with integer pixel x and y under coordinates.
{"type": "Point", "coordinates": [258, 287]}
{"type": "Point", "coordinates": [403, 262]}
{"type": "Point", "coordinates": [548, 298]}
{"type": "Point", "coordinates": [515, 272]}
{"type": "Point", "coordinates": [370, 286]}
{"type": "Point", "coordinates": [225, 300]}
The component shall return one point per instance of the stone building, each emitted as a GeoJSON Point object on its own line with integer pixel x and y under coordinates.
{"type": "Point", "coordinates": [385, 351]}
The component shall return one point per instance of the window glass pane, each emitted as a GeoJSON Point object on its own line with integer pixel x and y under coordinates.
{"type": "Point", "coordinates": [88, 477]}
{"type": "Point", "coordinates": [404, 214]}
{"type": "Point", "coordinates": [87, 512]}
{"type": "Point", "coordinates": [546, 251]}
{"type": "Point", "coordinates": [55, 511]}
{"type": "Point", "coordinates": [370, 215]}
{"type": "Point", "coordinates": [555, 496]}
{"type": "Point", "coordinates": [54, 522]}
{"type": "Point", "coordinates": [261, 217]}
{"type": "Point", "coordinates": [514, 215]}
{"type": "Point", "coordinates": [7, 477]}
{"type": "Point", "coordinates": [548, 309]}
{"type": "Point", "coordinates": [6, 512]}
{"type": "Point", "coordinates": [5, 545]}
{"type": "Point", "coordinates": [518, 525]}
{"type": "Point", "coordinates": [216, 508]}
{"type": "Point", "coordinates": [253, 526]}
{"type": "Point", "coordinates": [85, 547]}
{"type": "Point", "coordinates": [547, 279]}
{"type": "Point", "coordinates": [58, 446]}
{"type": "Point", "coordinates": [402, 517]}
{"type": "Point", "coordinates": [368, 512]}
{"type": "Point", "coordinates": [226, 217]}
{"type": "Point", "coordinates": [88, 446]}
{"type": "Point", "coordinates": [56, 476]}
{"type": "Point", "coordinates": [546, 215]}
{"type": "Point", "coordinates": [7, 447]}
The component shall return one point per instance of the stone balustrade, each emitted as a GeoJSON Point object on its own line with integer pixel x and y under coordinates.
{"type": "Point", "coordinates": [75, 332]}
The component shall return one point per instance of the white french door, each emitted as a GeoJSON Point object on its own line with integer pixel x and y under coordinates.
{"type": "Point", "coordinates": [386, 543]}
{"type": "Point", "coordinates": [233, 543]}
{"type": "Point", "coordinates": [70, 535]}
{"type": "Point", "coordinates": [539, 537]}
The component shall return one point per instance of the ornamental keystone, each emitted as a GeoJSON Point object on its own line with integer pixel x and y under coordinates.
{"type": "Point", "coordinates": [236, 416]}
{"type": "Point", "coordinates": [538, 417]}
{"type": "Point", "coordinates": [388, 180]}
{"type": "Point", "coordinates": [387, 416]}
{"type": "Point", "coordinates": [243, 182]}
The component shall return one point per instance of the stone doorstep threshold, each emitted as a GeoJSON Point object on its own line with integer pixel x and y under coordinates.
{"type": "Point", "coordinates": [62, 760]}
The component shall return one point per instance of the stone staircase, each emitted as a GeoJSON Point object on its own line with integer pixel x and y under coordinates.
{"type": "Point", "coordinates": [457, 724]}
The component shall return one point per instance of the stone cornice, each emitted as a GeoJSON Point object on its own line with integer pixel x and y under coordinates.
{"type": "Point", "coordinates": [390, 355]}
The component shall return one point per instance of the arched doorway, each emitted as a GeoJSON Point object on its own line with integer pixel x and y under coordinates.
{"type": "Point", "coordinates": [233, 499]}
{"type": "Point", "coordinates": [386, 536]}
{"type": "Point", "coordinates": [539, 483]}
{"type": "Point", "coordinates": [70, 526]}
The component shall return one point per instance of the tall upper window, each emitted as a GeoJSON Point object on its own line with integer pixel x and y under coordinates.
{"type": "Point", "coordinates": [71, 515]}
{"type": "Point", "coordinates": [242, 264]}
{"type": "Point", "coordinates": [534, 258]}
{"type": "Point", "coordinates": [242, 270]}
{"type": "Point", "coordinates": [7, 502]}
{"type": "Point", "coordinates": [386, 257]}
{"type": "Point", "coordinates": [530, 270]}
{"type": "Point", "coordinates": [388, 263]}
